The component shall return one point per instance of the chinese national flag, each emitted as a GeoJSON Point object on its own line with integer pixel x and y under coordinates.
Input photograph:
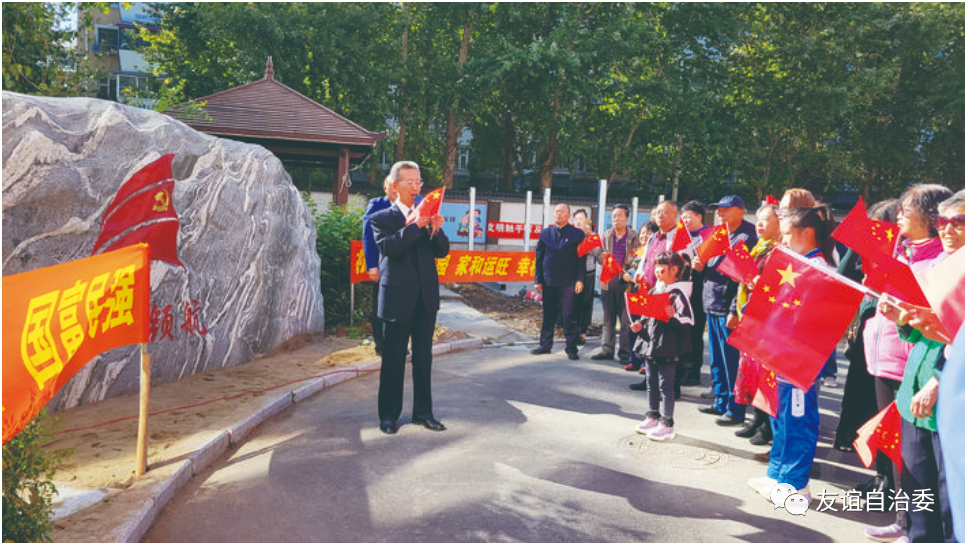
{"type": "Point", "coordinates": [880, 433]}
{"type": "Point", "coordinates": [682, 239]}
{"type": "Point", "coordinates": [589, 244]}
{"type": "Point", "coordinates": [771, 200]}
{"type": "Point", "coordinates": [58, 318]}
{"type": "Point", "coordinates": [716, 244]}
{"type": "Point", "coordinates": [795, 317]}
{"type": "Point", "coordinates": [767, 396]}
{"type": "Point", "coordinates": [872, 240]}
{"type": "Point", "coordinates": [943, 286]}
{"type": "Point", "coordinates": [429, 206]}
{"type": "Point", "coordinates": [895, 278]}
{"type": "Point", "coordinates": [647, 305]}
{"type": "Point", "coordinates": [609, 268]}
{"type": "Point", "coordinates": [739, 265]}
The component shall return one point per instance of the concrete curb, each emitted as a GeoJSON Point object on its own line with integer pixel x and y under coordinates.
{"type": "Point", "coordinates": [134, 528]}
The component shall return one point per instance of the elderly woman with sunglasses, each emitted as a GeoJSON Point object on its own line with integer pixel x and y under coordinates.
{"type": "Point", "coordinates": [923, 208]}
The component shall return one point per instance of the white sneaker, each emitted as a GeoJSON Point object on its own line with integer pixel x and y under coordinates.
{"type": "Point", "coordinates": [646, 426]}
{"type": "Point", "coordinates": [759, 483]}
{"type": "Point", "coordinates": [662, 432]}
{"type": "Point", "coordinates": [830, 381]}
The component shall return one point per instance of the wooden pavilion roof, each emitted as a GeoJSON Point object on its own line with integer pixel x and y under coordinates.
{"type": "Point", "coordinates": [284, 121]}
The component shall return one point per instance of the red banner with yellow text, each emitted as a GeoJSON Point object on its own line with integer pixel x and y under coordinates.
{"type": "Point", "coordinates": [465, 266]}
{"type": "Point", "coordinates": [58, 318]}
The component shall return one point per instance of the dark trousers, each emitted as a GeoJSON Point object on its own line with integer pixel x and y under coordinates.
{"type": "Point", "coordinates": [613, 303]}
{"type": "Point", "coordinates": [391, 374]}
{"type": "Point", "coordinates": [692, 363]}
{"type": "Point", "coordinates": [585, 303]}
{"type": "Point", "coordinates": [859, 395]}
{"type": "Point", "coordinates": [661, 377]}
{"type": "Point", "coordinates": [376, 322]}
{"type": "Point", "coordinates": [559, 301]}
{"type": "Point", "coordinates": [923, 470]}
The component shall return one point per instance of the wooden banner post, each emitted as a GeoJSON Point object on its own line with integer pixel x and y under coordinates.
{"type": "Point", "coordinates": [141, 456]}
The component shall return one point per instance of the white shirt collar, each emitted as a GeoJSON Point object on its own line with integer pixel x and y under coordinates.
{"type": "Point", "coordinates": [403, 207]}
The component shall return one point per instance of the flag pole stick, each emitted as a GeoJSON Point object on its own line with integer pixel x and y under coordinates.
{"type": "Point", "coordinates": [141, 457]}
{"type": "Point", "coordinates": [352, 302]}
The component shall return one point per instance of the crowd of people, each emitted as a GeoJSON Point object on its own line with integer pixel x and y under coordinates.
{"type": "Point", "coordinates": [897, 352]}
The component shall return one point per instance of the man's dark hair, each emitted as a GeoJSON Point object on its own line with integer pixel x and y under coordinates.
{"type": "Point", "coordinates": [581, 211]}
{"type": "Point", "coordinates": [623, 207]}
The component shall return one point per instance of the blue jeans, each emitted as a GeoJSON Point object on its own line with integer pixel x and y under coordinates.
{"type": "Point", "coordinates": [724, 365]}
{"type": "Point", "coordinates": [795, 432]}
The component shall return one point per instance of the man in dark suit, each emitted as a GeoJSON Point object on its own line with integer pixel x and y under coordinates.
{"type": "Point", "coordinates": [372, 256]}
{"type": "Point", "coordinates": [559, 276]}
{"type": "Point", "coordinates": [409, 297]}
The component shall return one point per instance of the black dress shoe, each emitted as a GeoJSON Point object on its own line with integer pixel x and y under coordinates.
{"type": "Point", "coordinates": [602, 357]}
{"type": "Point", "coordinates": [760, 439]}
{"type": "Point", "coordinates": [429, 423]}
{"type": "Point", "coordinates": [725, 420]}
{"type": "Point", "coordinates": [640, 386]}
{"type": "Point", "coordinates": [540, 351]}
{"type": "Point", "coordinates": [573, 355]}
{"type": "Point", "coordinates": [709, 410]}
{"type": "Point", "coordinates": [747, 432]}
{"type": "Point", "coordinates": [581, 341]}
{"type": "Point", "coordinates": [388, 427]}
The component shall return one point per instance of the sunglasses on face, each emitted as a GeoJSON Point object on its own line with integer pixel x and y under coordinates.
{"type": "Point", "coordinates": [956, 220]}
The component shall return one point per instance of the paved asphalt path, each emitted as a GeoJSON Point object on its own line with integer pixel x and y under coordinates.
{"type": "Point", "coordinates": [539, 449]}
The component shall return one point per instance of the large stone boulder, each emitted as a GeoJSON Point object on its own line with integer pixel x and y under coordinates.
{"type": "Point", "coordinates": [250, 280]}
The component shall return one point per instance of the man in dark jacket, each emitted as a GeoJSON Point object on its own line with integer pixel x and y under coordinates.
{"type": "Point", "coordinates": [409, 298]}
{"type": "Point", "coordinates": [718, 297]}
{"type": "Point", "coordinates": [559, 276]}
{"type": "Point", "coordinates": [620, 242]}
{"type": "Point", "coordinates": [372, 256]}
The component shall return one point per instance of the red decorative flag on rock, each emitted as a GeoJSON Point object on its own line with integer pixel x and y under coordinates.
{"type": "Point", "coordinates": [609, 268]}
{"type": "Point", "coordinates": [880, 433]}
{"type": "Point", "coordinates": [872, 240]}
{"type": "Point", "coordinates": [429, 206]}
{"type": "Point", "coordinates": [739, 265]}
{"type": "Point", "coordinates": [796, 315]}
{"type": "Point", "coordinates": [143, 211]}
{"type": "Point", "coordinates": [589, 244]}
{"type": "Point", "coordinates": [771, 200]}
{"type": "Point", "coordinates": [647, 305]}
{"type": "Point", "coordinates": [716, 244]}
{"type": "Point", "coordinates": [683, 240]}
{"type": "Point", "coordinates": [895, 278]}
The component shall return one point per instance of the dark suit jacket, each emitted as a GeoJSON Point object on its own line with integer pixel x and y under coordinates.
{"type": "Point", "coordinates": [369, 241]}
{"type": "Point", "coordinates": [406, 265]}
{"type": "Point", "coordinates": [558, 264]}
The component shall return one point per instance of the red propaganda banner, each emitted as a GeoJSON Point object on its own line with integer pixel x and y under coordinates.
{"type": "Point", "coordinates": [429, 206]}
{"type": "Point", "coordinates": [646, 305]}
{"type": "Point", "coordinates": [872, 240]}
{"type": "Point", "coordinates": [880, 433]}
{"type": "Point", "coordinates": [503, 229]}
{"type": "Point", "coordinates": [463, 266]}
{"type": "Point", "coordinates": [56, 319]}
{"type": "Point", "coordinates": [143, 212]}
{"type": "Point", "coordinates": [795, 317]}
{"type": "Point", "coordinates": [739, 265]}
{"type": "Point", "coordinates": [357, 260]}
{"type": "Point", "coordinates": [589, 244]}
{"type": "Point", "coordinates": [498, 266]}
{"type": "Point", "coordinates": [716, 244]}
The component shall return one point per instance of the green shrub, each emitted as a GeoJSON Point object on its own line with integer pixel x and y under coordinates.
{"type": "Point", "coordinates": [27, 487]}
{"type": "Point", "coordinates": [335, 228]}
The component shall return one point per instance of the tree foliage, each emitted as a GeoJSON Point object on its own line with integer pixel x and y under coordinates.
{"type": "Point", "coordinates": [695, 97]}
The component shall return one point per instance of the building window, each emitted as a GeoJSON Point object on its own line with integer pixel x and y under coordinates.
{"type": "Point", "coordinates": [463, 159]}
{"type": "Point", "coordinates": [107, 40]}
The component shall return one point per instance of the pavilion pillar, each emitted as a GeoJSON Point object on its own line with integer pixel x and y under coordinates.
{"type": "Point", "coordinates": [341, 183]}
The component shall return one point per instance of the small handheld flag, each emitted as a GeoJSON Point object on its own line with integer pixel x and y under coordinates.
{"type": "Point", "coordinates": [610, 268]}
{"type": "Point", "coordinates": [739, 264]}
{"type": "Point", "coordinates": [429, 206]}
{"type": "Point", "coordinates": [716, 244]}
{"type": "Point", "coordinates": [589, 244]}
{"type": "Point", "coordinates": [647, 305]}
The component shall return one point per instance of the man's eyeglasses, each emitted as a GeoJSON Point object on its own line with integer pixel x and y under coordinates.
{"type": "Point", "coordinates": [412, 181]}
{"type": "Point", "coordinates": [956, 220]}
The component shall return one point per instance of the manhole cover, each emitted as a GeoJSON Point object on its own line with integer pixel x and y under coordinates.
{"type": "Point", "coordinates": [673, 454]}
